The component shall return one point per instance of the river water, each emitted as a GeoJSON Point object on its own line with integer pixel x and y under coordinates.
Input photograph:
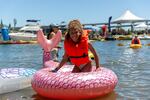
{"type": "Point", "coordinates": [132, 66]}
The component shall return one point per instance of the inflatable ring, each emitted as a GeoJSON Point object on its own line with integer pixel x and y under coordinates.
{"type": "Point", "coordinates": [91, 55]}
{"type": "Point", "coordinates": [135, 46]}
{"type": "Point", "coordinates": [67, 85]}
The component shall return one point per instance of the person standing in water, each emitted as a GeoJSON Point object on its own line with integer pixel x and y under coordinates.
{"type": "Point", "coordinates": [53, 54]}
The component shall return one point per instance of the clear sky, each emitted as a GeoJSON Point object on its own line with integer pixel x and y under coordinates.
{"type": "Point", "coordinates": [56, 11]}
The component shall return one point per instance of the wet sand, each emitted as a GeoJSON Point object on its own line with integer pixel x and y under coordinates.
{"type": "Point", "coordinates": [29, 94]}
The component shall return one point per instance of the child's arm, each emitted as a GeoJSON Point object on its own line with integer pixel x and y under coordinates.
{"type": "Point", "coordinates": [63, 61]}
{"type": "Point", "coordinates": [95, 55]}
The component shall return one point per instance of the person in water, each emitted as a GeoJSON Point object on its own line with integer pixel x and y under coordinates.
{"type": "Point", "coordinates": [53, 54]}
{"type": "Point", "coordinates": [136, 40]}
{"type": "Point", "coordinates": [76, 48]}
{"type": "Point", "coordinates": [53, 31]}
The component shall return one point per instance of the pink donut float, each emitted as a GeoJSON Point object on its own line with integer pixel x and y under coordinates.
{"type": "Point", "coordinates": [67, 85]}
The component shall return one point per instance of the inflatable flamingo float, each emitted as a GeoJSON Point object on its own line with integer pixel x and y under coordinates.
{"type": "Point", "coordinates": [67, 85]}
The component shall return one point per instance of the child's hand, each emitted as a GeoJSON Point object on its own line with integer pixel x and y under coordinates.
{"type": "Point", "coordinates": [98, 69]}
{"type": "Point", "coordinates": [98, 66]}
{"type": "Point", "coordinates": [54, 70]}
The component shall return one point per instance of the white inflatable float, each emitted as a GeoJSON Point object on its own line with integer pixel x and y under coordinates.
{"type": "Point", "coordinates": [12, 79]}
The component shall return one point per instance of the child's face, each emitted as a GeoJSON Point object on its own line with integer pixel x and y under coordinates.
{"type": "Point", "coordinates": [55, 30]}
{"type": "Point", "coordinates": [74, 35]}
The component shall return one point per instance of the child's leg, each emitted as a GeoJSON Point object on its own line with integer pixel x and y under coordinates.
{"type": "Point", "coordinates": [54, 54]}
{"type": "Point", "coordinates": [76, 69]}
{"type": "Point", "coordinates": [87, 67]}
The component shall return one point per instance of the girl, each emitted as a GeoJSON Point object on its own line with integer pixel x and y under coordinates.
{"type": "Point", "coordinates": [76, 48]}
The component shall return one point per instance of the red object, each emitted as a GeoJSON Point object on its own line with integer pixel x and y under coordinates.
{"type": "Point", "coordinates": [87, 31]}
{"type": "Point", "coordinates": [67, 85]}
{"type": "Point", "coordinates": [16, 42]}
{"type": "Point", "coordinates": [77, 50]}
{"type": "Point", "coordinates": [135, 41]}
{"type": "Point", "coordinates": [104, 28]}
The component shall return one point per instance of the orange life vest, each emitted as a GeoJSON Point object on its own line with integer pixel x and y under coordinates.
{"type": "Point", "coordinates": [135, 41]}
{"type": "Point", "coordinates": [78, 53]}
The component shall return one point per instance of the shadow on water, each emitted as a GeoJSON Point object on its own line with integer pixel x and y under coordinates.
{"type": "Point", "coordinates": [29, 94]}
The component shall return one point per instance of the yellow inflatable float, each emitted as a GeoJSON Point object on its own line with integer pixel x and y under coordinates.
{"type": "Point", "coordinates": [91, 55]}
{"type": "Point", "coordinates": [135, 46]}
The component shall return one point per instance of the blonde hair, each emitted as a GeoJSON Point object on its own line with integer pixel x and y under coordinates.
{"type": "Point", "coordinates": [74, 25]}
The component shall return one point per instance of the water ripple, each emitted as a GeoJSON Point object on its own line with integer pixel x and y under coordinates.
{"type": "Point", "coordinates": [132, 66]}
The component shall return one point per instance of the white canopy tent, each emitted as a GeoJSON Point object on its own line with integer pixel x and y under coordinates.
{"type": "Point", "coordinates": [128, 17]}
{"type": "Point", "coordinates": [141, 26]}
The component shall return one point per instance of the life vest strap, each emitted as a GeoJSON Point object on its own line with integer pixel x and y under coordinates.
{"type": "Point", "coordinates": [84, 55]}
